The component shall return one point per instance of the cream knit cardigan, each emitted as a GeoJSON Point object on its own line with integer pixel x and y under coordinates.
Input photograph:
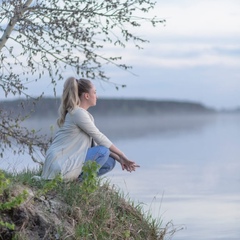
{"type": "Point", "coordinates": [68, 150]}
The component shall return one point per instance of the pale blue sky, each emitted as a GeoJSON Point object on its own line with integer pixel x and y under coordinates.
{"type": "Point", "coordinates": [194, 57]}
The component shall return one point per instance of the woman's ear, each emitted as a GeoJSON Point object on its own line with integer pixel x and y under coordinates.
{"type": "Point", "coordinates": [86, 95]}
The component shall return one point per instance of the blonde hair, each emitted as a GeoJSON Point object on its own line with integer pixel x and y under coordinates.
{"type": "Point", "coordinates": [72, 90]}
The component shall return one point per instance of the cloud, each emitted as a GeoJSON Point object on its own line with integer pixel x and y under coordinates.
{"type": "Point", "coordinates": [208, 17]}
{"type": "Point", "coordinates": [197, 33]}
{"type": "Point", "coordinates": [184, 55]}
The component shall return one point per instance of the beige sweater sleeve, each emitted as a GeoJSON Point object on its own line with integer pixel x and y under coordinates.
{"type": "Point", "coordinates": [84, 120]}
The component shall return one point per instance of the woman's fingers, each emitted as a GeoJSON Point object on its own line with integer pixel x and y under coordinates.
{"type": "Point", "coordinates": [129, 165]}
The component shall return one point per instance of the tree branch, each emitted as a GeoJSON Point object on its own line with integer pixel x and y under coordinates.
{"type": "Point", "coordinates": [18, 13]}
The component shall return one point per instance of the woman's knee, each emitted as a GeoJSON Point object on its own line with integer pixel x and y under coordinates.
{"type": "Point", "coordinates": [113, 162]}
{"type": "Point", "coordinates": [104, 150]}
{"type": "Point", "coordinates": [107, 167]}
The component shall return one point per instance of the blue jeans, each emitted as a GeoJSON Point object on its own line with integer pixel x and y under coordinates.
{"type": "Point", "coordinates": [100, 154]}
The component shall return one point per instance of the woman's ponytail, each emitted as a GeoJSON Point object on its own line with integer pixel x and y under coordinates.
{"type": "Point", "coordinates": [70, 99]}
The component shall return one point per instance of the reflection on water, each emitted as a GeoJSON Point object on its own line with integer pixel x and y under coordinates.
{"type": "Point", "coordinates": [189, 170]}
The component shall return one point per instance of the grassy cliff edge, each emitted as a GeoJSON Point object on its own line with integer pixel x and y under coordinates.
{"type": "Point", "coordinates": [72, 210]}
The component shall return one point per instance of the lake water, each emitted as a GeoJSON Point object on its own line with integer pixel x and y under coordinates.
{"type": "Point", "coordinates": [189, 174]}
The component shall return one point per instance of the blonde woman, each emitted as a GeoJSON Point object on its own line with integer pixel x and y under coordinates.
{"type": "Point", "coordinates": [78, 139]}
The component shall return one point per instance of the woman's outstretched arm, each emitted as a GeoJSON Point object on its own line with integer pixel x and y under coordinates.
{"type": "Point", "coordinates": [119, 156]}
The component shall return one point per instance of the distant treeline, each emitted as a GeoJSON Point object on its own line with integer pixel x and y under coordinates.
{"type": "Point", "coordinates": [48, 107]}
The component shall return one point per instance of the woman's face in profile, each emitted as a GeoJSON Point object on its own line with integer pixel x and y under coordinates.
{"type": "Point", "coordinates": [92, 96]}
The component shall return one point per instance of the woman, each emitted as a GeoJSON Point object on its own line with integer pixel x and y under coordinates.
{"type": "Point", "coordinates": [78, 139]}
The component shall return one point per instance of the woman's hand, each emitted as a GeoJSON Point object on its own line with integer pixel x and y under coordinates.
{"type": "Point", "coordinates": [122, 159]}
{"type": "Point", "coordinates": [128, 165]}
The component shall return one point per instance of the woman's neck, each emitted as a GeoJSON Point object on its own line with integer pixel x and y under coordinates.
{"type": "Point", "coordinates": [84, 105]}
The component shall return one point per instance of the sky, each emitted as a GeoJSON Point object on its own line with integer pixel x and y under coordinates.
{"type": "Point", "coordinates": [195, 57]}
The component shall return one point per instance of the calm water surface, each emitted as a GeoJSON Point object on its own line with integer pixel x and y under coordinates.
{"type": "Point", "coordinates": [189, 174]}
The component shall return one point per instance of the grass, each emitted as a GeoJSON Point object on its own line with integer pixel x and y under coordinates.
{"type": "Point", "coordinates": [67, 210]}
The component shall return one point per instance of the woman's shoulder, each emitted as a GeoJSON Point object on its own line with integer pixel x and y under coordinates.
{"type": "Point", "coordinates": [81, 112]}
{"type": "Point", "coordinates": [78, 109]}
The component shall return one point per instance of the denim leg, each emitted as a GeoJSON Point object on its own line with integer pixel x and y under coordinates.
{"type": "Point", "coordinates": [100, 154]}
{"type": "Point", "coordinates": [107, 167]}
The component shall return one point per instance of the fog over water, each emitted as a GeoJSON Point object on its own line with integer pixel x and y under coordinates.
{"type": "Point", "coordinates": [189, 170]}
{"type": "Point", "coordinates": [124, 127]}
